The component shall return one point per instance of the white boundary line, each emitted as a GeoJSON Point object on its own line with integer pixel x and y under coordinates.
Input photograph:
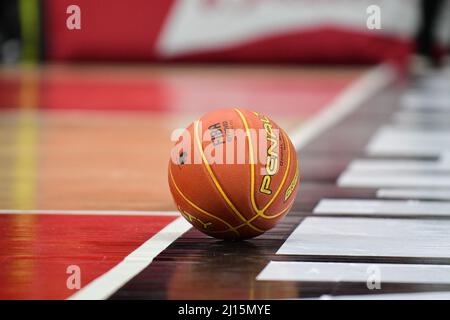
{"type": "Point", "coordinates": [351, 98]}
{"type": "Point", "coordinates": [108, 283]}
{"type": "Point", "coordinates": [93, 212]}
{"type": "Point", "coordinates": [431, 295]}
{"type": "Point", "coordinates": [346, 102]}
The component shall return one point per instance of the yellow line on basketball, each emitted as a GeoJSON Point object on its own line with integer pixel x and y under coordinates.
{"type": "Point", "coordinates": [231, 228]}
{"type": "Point", "coordinates": [216, 182]}
{"type": "Point", "coordinates": [260, 212]}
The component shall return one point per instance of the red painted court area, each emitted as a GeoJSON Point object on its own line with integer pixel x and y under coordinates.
{"type": "Point", "coordinates": [37, 249]}
{"type": "Point", "coordinates": [187, 89]}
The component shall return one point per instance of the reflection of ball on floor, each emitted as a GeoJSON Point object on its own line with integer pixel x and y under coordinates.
{"type": "Point", "coordinates": [233, 174]}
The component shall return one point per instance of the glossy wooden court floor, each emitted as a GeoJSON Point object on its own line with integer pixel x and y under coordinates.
{"type": "Point", "coordinates": [84, 153]}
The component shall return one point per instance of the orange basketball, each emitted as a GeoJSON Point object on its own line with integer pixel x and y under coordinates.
{"type": "Point", "coordinates": [233, 174]}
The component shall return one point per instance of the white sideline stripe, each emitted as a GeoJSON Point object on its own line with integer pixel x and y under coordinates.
{"type": "Point", "coordinates": [431, 194]}
{"type": "Point", "coordinates": [438, 118]}
{"type": "Point", "coordinates": [382, 207]}
{"type": "Point", "coordinates": [436, 295]}
{"type": "Point", "coordinates": [409, 142]}
{"type": "Point", "coordinates": [93, 212]}
{"type": "Point", "coordinates": [354, 272]}
{"type": "Point", "coordinates": [370, 237]}
{"type": "Point", "coordinates": [108, 283]}
{"type": "Point", "coordinates": [346, 102]}
{"type": "Point", "coordinates": [416, 101]}
{"type": "Point", "coordinates": [386, 165]}
{"type": "Point", "coordinates": [405, 150]}
{"type": "Point", "coordinates": [383, 179]}
{"type": "Point", "coordinates": [413, 134]}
